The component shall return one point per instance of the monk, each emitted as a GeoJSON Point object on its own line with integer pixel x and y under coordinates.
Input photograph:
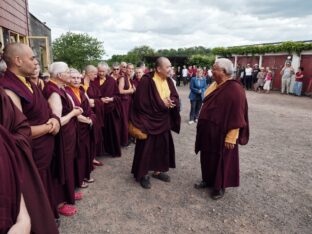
{"type": "Point", "coordinates": [137, 77]}
{"type": "Point", "coordinates": [28, 98]}
{"type": "Point", "coordinates": [86, 153]}
{"type": "Point", "coordinates": [97, 104]}
{"type": "Point", "coordinates": [16, 134]}
{"type": "Point", "coordinates": [126, 89]}
{"type": "Point", "coordinates": [222, 125]}
{"type": "Point", "coordinates": [155, 112]}
{"type": "Point", "coordinates": [66, 148]}
{"type": "Point", "coordinates": [35, 78]}
{"type": "Point", "coordinates": [112, 119]}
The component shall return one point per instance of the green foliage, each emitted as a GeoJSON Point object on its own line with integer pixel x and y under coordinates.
{"type": "Point", "coordinates": [77, 50]}
{"type": "Point", "coordinates": [288, 47]}
{"type": "Point", "coordinates": [202, 60]}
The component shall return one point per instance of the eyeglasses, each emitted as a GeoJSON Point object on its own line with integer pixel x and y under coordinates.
{"type": "Point", "coordinates": [116, 69]}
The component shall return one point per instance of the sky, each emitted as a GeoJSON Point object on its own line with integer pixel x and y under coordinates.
{"type": "Point", "coordinates": [124, 24]}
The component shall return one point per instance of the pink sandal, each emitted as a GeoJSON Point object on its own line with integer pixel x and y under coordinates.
{"type": "Point", "coordinates": [78, 195]}
{"type": "Point", "coordinates": [67, 210]}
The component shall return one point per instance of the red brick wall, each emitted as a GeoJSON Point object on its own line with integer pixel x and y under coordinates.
{"type": "Point", "coordinates": [13, 15]}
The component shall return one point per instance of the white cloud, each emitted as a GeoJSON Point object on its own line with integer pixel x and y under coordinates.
{"type": "Point", "coordinates": [124, 24]}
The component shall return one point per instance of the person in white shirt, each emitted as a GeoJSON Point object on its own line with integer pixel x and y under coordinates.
{"type": "Point", "coordinates": [248, 77]}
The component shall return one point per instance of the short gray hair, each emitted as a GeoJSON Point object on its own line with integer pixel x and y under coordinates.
{"type": "Point", "coordinates": [103, 64]}
{"type": "Point", "coordinates": [57, 68]}
{"type": "Point", "coordinates": [225, 64]}
{"type": "Point", "coordinates": [3, 66]}
{"type": "Point", "coordinates": [90, 68]}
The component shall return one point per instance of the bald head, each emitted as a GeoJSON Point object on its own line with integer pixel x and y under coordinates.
{"type": "Point", "coordinates": [163, 67]}
{"type": "Point", "coordinates": [20, 59]}
{"type": "Point", "coordinates": [91, 72]}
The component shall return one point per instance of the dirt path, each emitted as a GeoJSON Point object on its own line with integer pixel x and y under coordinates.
{"type": "Point", "coordinates": [275, 195]}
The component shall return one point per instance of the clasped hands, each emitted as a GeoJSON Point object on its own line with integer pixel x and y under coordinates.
{"type": "Point", "coordinates": [169, 103]}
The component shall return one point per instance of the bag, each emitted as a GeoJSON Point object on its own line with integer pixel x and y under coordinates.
{"type": "Point", "coordinates": [135, 132]}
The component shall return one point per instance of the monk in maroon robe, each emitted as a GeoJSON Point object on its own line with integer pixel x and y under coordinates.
{"type": "Point", "coordinates": [112, 119]}
{"type": "Point", "coordinates": [97, 105]}
{"type": "Point", "coordinates": [66, 147]}
{"type": "Point", "coordinates": [222, 125]}
{"type": "Point", "coordinates": [86, 153]}
{"type": "Point", "coordinates": [137, 77]}
{"type": "Point", "coordinates": [126, 89]}
{"type": "Point", "coordinates": [155, 112]}
{"type": "Point", "coordinates": [16, 133]}
{"type": "Point", "coordinates": [28, 97]}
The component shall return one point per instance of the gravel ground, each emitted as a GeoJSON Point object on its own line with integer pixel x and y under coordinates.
{"type": "Point", "coordinates": [275, 195]}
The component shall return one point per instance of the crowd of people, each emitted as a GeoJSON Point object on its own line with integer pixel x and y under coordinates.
{"type": "Point", "coordinates": [54, 131]}
{"type": "Point", "coordinates": [260, 79]}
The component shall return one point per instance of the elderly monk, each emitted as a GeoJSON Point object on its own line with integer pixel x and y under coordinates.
{"type": "Point", "coordinates": [112, 118]}
{"type": "Point", "coordinates": [155, 112]}
{"type": "Point", "coordinates": [139, 72]}
{"type": "Point", "coordinates": [222, 125]}
{"type": "Point", "coordinates": [126, 89]}
{"type": "Point", "coordinates": [83, 162]}
{"type": "Point", "coordinates": [97, 104]}
{"type": "Point", "coordinates": [21, 181]}
{"type": "Point", "coordinates": [66, 151]}
{"type": "Point", "coordinates": [29, 99]}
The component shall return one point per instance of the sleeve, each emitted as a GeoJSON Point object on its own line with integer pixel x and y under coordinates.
{"type": "Point", "coordinates": [232, 136]}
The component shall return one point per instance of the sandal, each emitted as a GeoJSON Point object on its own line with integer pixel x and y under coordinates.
{"type": "Point", "coordinates": [84, 185]}
{"type": "Point", "coordinates": [67, 210]}
{"type": "Point", "coordinates": [91, 180]}
{"type": "Point", "coordinates": [78, 195]}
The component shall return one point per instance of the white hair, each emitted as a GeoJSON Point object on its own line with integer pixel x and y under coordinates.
{"type": "Point", "coordinates": [90, 68]}
{"type": "Point", "coordinates": [57, 68]}
{"type": "Point", "coordinates": [225, 64]}
{"type": "Point", "coordinates": [103, 64]}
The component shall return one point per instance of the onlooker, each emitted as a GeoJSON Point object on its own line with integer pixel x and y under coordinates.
{"type": "Point", "coordinates": [248, 77]}
{"type": "Point", "coordinates": [198, 87]}
{"type": "Point", "coordinates": [184, 74]}
{"type": "Point", "coordinates": [255, 72]}
{"type": "Point", "coordinates": [286, 73]}
{"type": "Point", "coordinates": [260, 80]}
{"type": "Point", "coordinates": [298, 82]}
{"type": "Point", "coordinates": [268, 79]}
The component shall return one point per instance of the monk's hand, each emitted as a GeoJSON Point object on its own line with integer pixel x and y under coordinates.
{"type": "Point", "coordinates": [77, 111]}
{"type": "Point", "coordinates": [172, 105]}
{"type": "Point", "coordinates": [229, 146]}
{"type": "Point", "coordinates": [167, 102]}
{"type": "Point", "coordinates": [55, 126]}
{"type": "Point", "coordinates": [91, 102]}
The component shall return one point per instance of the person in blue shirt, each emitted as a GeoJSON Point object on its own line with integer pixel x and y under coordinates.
{"type": "Point", "coordinates": [198, 87]}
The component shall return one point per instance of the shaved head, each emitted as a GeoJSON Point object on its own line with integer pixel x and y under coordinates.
{"type": "Point", "coordinates": [161, 61]}
{"type": "Point", "coordinates": [20, 59]}
{"type": "Point", "coordinates": [90, 68]}
{"type": "Point", "coordinates": [163, 67]}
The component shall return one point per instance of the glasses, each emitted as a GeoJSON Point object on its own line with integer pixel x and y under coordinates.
{"type": "Point", "coordinates": [116, 69]}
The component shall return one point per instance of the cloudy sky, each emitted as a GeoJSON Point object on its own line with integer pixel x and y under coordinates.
{"type": "Point", "coordinates": [163, 24]}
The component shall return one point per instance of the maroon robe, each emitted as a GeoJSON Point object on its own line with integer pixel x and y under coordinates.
{"type": "Point", "coordinates": [65, 148]}
{"type": "Point", "coordinates": [126, 100]}
{"type": "Point", "coordinates": [18, 130]}
{"type": "Point", "coordinates": [151, 116]}
{"type": "Point", "coordinates": [95, 94]}
{"type": "Point", "coordinates": [112, 119]}
{"type": "Point", "coordinates": [223, 110]}
{"type": "Point", "coordinates": [35, 107]}
{"type": "Point", "coordinates": [10, 182]}
{"type": "Point", "coordinates": [86, 152]}
{"type": "Point", "coordinates": [136, 82]}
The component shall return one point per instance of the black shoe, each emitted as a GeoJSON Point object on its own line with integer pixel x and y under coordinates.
{"type": "Point", "coordinates": [162, 176]}
{"type": "Point", "coordinates": [145, 182]}
{"type": "Point", "coordinates": [217, 194]}
{"type": "Point", "coordinates": [201, 185]}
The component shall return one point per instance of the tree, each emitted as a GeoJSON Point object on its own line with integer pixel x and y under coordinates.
{"type": "Point", "coordinates": [202, 60]}
{"type": "Point", "coordinates": [77, 50]}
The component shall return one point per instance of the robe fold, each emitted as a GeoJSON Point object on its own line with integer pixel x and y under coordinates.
{"type": "Point", "coordinates": [35, 107]}
{"type": "Point", "coordinates": [86, 135]}
{"type": "Point", "coordinates": [18, 130]}
{"type": "Point", "coordinates": [224, 109]}
{"type": "Point", "coordinates": [99, 110]}
{"type": "Point", "coordinates": [112, 119]}
{"type": "Point", "coordinates": [65, 149]}
{"type": "Point", "coordinates": [151, 116]}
